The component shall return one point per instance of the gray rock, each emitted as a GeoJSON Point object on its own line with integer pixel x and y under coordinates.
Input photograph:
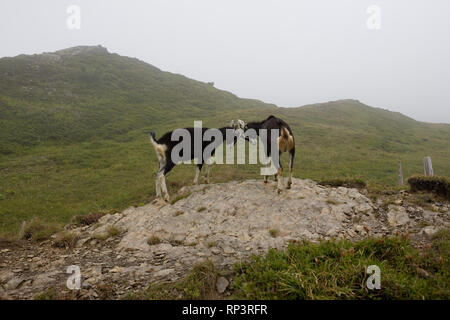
{"type": "Point", "coordinates": [222, 284]}
{"type": "Point", "coordinates": [241, 219]}
{"type": "Point", "coordinates": [429, 231]}
{"type": "Point", "coordinates": [397, 216]}
{"type": "Point", "coordinates": [43, 280]}
{"type": "Point", "coordinates": [14, 283]}
{"type": "Point", "coordinates": [6, 275]}
{"type": "Point", "coordinates": [163, 273]}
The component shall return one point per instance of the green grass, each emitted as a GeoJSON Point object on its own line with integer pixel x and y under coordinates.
{"type": "Point", "coordinates": [337, 270]}
{"type": "Point", "coordinates": [77, 142]}
{"type": "Point", "coordinates": [199, 284]}
{"type": "Point", "coordinates": [325, 270]}
{"type": "Point", "coordinates": [49, 294]}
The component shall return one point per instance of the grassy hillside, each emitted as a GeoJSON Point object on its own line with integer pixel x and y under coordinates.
{"type": "Point", "coordinates": [348, 138]}
{"type": "Point", "coordinates": [83, 93]}
{"type": "Point", "coordinates": [73, 134]}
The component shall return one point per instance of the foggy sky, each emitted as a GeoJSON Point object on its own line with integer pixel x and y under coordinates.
{"type": "Point", "coordinates": [290, 53]}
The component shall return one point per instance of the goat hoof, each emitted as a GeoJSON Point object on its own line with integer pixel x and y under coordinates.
{"type": "Point", "coordinates": [279, 191]}
{"type": "Point", "coordinates": [166, 199]}
{"type": "Point", "coordinates": [265, 181]}
{"type": "Point", "coordinates": [288, 186]}
{"type": "Point", "coordinates": [206, 181]}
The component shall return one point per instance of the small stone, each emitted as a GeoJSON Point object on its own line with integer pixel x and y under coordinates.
{"type": "Point", "coordinates": [178, 237]}
{"type": "Point", "coordinates": [397, 216]}
{"type": "Point", "coordinates": [116, 269]}
{"type": "Point", "coordinates": [42, 280]}
{"type": "Point", "coordinates": [81, 242]}
{"type": "Point", "coordinates": [222, 284]}
{"type": "Point", "coordinates": [228, 250]}
{"type": "Point", "coordinates": [6, 275]}
{"type": "Point", "coordinates": [36, 259]}
{"type": "Point", "coordinates": [422, 273]}
{"type": "Point", "coordinates": [429, 231]}
{"type": "Point", "coordinates": [163, 273]}
{"type": "Point", "coordinates": [3, 294]}
{"type": "Point", "coordinates": [351, 233]}
{"type": "Point", "coordinates": [13, 283]}
{"type": "Point", "coordinates": [364, 209]}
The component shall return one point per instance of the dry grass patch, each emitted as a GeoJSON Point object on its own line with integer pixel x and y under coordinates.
{"type": "Point", "coordinates": [66, 239]}
{"type": "Point", "coordinates": [153, 240]}
{"type": "Point", "coordinates": [37, 230]}
{"type": "Point", "coordinates": [274, 233]}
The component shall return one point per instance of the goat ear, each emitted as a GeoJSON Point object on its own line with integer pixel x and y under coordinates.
{"type": "Point", "coordinates": [232, 123]}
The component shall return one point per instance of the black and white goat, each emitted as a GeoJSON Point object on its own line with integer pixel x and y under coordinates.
{"type": "Point", "coordinates": [285, 143]}
{"type": "Point", "coordinates": [165, 145]}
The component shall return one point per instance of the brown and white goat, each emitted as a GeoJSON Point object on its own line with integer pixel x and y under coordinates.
{"type": "Point", "coordinates": [285, 143]}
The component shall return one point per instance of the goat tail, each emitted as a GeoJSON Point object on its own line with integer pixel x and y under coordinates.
{"type": "Point", "coordinates": [152, 136]}
{"type": "Point", "coordinates": [153, 141]}
{"type": "Point", "coordinates": [285, 133]}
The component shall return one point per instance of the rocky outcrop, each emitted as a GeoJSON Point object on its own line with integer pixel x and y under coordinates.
{"type": "Point", "coordinates": [224, 223]}
{"type": "Point", "coordinates": [240, 217]}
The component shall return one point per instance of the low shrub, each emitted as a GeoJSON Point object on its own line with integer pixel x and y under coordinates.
{"type": "Point", "coordinates": [153, 240]}
{"type": "Point", "coordinates": [439, 185]}
{"type": "Point", "coordinates": [88, 219]}
{"type": "Point", "coordinates": [37, 230]}
{"type": "Point", "coordinates": [65, 239]}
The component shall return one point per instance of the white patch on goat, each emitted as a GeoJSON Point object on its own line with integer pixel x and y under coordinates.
{"type": "Point", "coordinates": [158, 187]}
{"type": "Point", "coordinates": [162, 181]}
{"type": "Point", "coordinates": [280, 179]}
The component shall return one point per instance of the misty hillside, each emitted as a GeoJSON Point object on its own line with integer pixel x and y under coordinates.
{"type": "Point", "coordinates": [84, 92]}
{"type": "Point", "coordinates": [74, 134]}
